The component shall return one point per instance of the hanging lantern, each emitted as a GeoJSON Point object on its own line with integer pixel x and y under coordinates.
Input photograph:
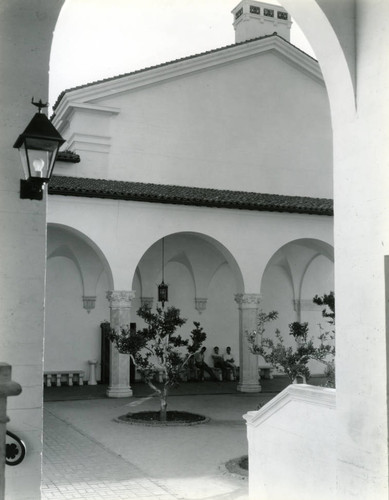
{"type": "Point", "coordinates": [38, 146]}
{"type": "Point", "coordinates": [162, 287]}
{"type": "Point", "coordinates": [163, 293]}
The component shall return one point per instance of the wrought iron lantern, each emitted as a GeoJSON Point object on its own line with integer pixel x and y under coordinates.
{"type": "Point", "coordinates": [163, 287]}
{"type": "Point", "coordinates": [163, 293]}
{"type": "Point", "coordinates": [38, 146]}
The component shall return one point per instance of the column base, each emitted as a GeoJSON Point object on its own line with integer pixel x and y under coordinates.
{"type": "Point", "coordinates": [119, 392]}
{"type": "Point", "coordinates": [249, 387]}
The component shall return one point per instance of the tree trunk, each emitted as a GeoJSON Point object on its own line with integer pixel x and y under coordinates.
{"type": "Point", "coordinates": [163, 400]}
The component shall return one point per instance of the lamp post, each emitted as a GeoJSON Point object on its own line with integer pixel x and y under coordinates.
{"type": "Point", "coordinates": [38, 146]}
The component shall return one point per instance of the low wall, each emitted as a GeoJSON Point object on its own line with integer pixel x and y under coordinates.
{"type": "Point", "coordinates": [292, 445]}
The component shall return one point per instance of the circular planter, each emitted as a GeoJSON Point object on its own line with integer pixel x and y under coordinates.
{"type": "Point", "coordinates": [238, 467]}
{"type": "Point", "coordinates": [151, 418]}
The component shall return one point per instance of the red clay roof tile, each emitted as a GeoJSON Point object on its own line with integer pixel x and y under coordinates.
{"type": "Point", "coordinates": [185, 195]}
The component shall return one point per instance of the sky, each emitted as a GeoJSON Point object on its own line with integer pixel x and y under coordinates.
{"type": "Point", "coordinates": [96, 39]}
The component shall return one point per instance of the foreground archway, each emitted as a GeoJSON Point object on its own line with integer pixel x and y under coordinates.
{"type": "Point", "coordinates": [360, 155]}
{"type": "Point", "coordinates": [359, 468]}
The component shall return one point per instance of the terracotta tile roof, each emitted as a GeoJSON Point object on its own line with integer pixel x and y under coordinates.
{"type": "Point", "coordinates": [226, 47]}
{"type": "Point", "coordinates": [68, 156]}
{"type": "Point", "coordinates": [183, 195]}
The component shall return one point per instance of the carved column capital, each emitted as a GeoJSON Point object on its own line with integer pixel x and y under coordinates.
{"type": "Point", "coordinates": [120, 298]}
{"type": "Point", "coordinates": [200, 304]}
{"type": "Point", "coordinates": [89, 302]}
{"type": "Point", "coordinates": [248, 300]}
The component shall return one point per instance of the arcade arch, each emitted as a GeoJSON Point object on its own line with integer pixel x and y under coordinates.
{"type": "Point", "coordinates": [302, 265]}
{"type": "Point", "coordinates": [297, 272]}
{"type": "Point", "coordinates": [205, 282]}
{"type": "Point", "coordinates": [203, 279]}
{"type": "Point", "coordinates": [78, 277]}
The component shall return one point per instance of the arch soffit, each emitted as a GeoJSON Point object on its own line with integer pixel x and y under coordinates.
{"type": "Point", "coordinates": [75, 245]}
{"type": "Point", "coordinates": [313, 259]}
{"type": "Point", "coordinates": [307, 250]}
{"type": "Point", "coordinates": [64, 250]}
{"type": "Point", "coordinates": [183, 259]}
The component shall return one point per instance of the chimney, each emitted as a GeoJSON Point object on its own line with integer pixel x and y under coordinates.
{"type": "Point", "coordinates": [255, 19]}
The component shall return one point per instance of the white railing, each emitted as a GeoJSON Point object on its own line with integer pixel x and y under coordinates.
{"type": "Point", "coordinates": [292, 445]}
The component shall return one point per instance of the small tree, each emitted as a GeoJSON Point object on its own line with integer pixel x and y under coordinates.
{"type": "Point", "coordinates": [327, 338]}
{"type": "Point", "coordinates": [156, 348]}
{"type": "Point", "coordinates": [293, 361]}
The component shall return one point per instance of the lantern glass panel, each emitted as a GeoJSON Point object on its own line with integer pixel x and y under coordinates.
{"type": "Point", "coordinates": [39, 156]}
{"type": "Point", "coordinates": [24, 158]}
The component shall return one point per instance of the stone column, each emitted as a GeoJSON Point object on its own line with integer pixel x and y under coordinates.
{"type": "Point", "coordinates": [7, 388]}
{"type": "Point", "coordinates": [119, 365]}
{"type": "Point", "coordinates": [248, 372]}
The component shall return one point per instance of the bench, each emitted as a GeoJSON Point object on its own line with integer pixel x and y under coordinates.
{"type": "Point", "coordinates": [265, 371]}
{"type": "Point", "coordinates": [66, 375]}
{"type": "Point", "coordinates": [219, 373]}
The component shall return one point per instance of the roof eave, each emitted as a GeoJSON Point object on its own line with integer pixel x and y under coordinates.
{"type": "Point", "coordinates": [290, 204]}
{"type": "Point", "coordinates": [181, 67]}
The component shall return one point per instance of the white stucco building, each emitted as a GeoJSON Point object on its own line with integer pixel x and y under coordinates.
{"type": "Point", "coordinates": [349, 39]}
{"type": "Point", "coordinates": [240, 195]}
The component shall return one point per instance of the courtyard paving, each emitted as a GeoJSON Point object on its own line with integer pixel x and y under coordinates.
{"type": "Point", "coordinates": [89, 455]}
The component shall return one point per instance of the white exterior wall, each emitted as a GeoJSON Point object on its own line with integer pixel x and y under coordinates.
{"type": "Point", "coordinates": [361, 231]}
{"type": "Point", "coordinates": [259, 123]}
{"type": "Point", "coordinates": [24, 62]}
{"type": "Point", "coordinates": [357, 82]}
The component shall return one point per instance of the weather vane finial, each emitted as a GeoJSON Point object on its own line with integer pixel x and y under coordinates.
{"type": "Point", "coordinates": [39, 104]}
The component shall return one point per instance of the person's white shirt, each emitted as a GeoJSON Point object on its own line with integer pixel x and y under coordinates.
{"type": "Point", "coordinates": [229, 357]}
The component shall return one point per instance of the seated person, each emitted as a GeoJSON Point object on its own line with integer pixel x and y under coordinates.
{"type": "Point", "coordinates": [230, 361]}
{"type": "Point", "coordinates": [202, 366]}
{"type": "Point", "coordinates": [218, 362]}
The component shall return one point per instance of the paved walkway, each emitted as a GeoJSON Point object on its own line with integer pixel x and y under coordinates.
{"type": "Point", "coordinates": [88, 455]}
{"type": "Point", "coordinates": [78, 467]}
